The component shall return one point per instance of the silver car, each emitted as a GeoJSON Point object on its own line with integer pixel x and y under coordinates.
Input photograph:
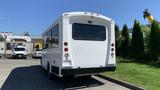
{"type": "Point", "coordinates": [37, 53]}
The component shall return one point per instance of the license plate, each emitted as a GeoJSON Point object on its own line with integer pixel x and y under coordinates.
{"type": "Point", "coordinates": [19, 55]}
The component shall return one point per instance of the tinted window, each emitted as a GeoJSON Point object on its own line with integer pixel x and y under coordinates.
{"type": "Point", "coordinates": [19, 49]}
{"type": "Point", "coordinates": [51, 38]}
{"type": "Point", "coordinates": [38, 50]}
{"type": "Point", "coordinates": [48, 39]}
{"type": "Point", "coordinates": [55, 36]}
{"type": "Point", "coordinates": [88, 32]}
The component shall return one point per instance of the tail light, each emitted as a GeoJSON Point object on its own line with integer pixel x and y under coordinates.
{"type": "Point", "coordinates": [112, 49]}
{"type": "Point", "coordinates": [112, 44]}
{"type": "Point", "coordinates": [65, 49]}
{"type": "Point", "coordinates": [65, 43]}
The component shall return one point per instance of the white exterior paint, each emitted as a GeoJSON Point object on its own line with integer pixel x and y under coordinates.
{"type": "Point", "coordinates": [11, 37]}
{"type": "Point", "coordinates": [21, 52]}
{"type": "Point", "coordinates": [16, 39]}
{"type": "Point", "coordinates": [82, 54]}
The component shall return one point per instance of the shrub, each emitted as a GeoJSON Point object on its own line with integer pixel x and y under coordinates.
{"type": "Point", "coordinates": [153, 41]}
{"type": "Point", "coordinates": [137, 42]}
{"type": "Point", "coordinates": [125, 42]}
{"type": "Point", "coordinates": [118, 40]}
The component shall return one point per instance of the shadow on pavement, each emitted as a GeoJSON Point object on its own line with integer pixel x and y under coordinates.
{"type": "Point", "coordinates": [35, 78]}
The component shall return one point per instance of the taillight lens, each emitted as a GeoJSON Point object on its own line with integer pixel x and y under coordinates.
{"type": "Point", "coordinates": [65, 49]}
{"type": "Point", "coordinates": [112, 49]}
{"type": "Point", "coordinates": [66, 55]}
{"type": "Point", "coordinates": [112, 44]}
{"type": "Point", "coordinates": [65, 43]}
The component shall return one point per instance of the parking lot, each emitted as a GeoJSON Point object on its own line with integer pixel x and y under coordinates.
{"type": "Point", "coordinates": [27, 74]}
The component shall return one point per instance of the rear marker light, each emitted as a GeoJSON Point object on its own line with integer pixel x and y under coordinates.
{"type": "Point", "coordinates": [65, 49]}
{"type": "Point", "coordinates": [112, 49]}
{"type": "Point", "coordinates": [65, 43]}
{"type": "Point", "coordinates": [112, 44]}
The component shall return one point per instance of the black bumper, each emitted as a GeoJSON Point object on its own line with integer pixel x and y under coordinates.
{"type": "Point", "coordinates": [19, 56]}
{"type": "Point", "coordinates": [79, 71]}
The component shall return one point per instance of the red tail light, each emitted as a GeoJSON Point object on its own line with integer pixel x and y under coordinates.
{"type": "Point", "coordinates": [112, 49]}
{"type": "Point", "coordinates": [112, 44]}
{"type": "Point", "coordinates": [65, 49]}
{"type": "Point", "coordinates": [65, 43]}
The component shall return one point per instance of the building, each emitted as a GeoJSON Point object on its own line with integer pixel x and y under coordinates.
{"type": "Point", "coordinates": [37, 42]}
{"type": "Point", "coordinates": [11, 41]}
{"type": "Point", "coordinates": [2, 45]}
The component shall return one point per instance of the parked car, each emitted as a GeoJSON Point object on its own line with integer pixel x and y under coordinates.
{"type": "Point", "coordinates": [19, 52]}
{"type": "Point", "coordinates": [37, 53]}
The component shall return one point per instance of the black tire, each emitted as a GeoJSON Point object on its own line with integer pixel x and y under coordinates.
{"type": "Point", "coordinates": [49, 73]}
{"type": "Point", "coordinates": [41, 61]}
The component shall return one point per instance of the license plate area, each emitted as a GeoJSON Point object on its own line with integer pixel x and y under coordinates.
{"type": "Point", "coordinates": [19, 55]}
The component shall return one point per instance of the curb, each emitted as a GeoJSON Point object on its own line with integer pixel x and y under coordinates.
{"type": "Point", "coordinates": [122, 83]}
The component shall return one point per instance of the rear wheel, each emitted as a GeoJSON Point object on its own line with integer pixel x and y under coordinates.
{"type": "Point", "coordinates": [49, 73]}
{"type": "Point", "coordinates": [41, 61]}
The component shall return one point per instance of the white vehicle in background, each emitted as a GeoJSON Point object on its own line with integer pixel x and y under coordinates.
{"type": "Point", "coordinates": [79, 43]}
{"type": "Point", "coordinates": [37, 53]}
{"type": "Point", "coordinates": [19, 52]}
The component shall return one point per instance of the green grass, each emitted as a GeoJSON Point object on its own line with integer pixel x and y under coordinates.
{"type": "Point", "coordinates": [143, 75]}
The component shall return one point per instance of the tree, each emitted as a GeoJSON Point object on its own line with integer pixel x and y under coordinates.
{"type": "Point", "coordinates": [153, 41]}
{"type": "Point", "coordinates": [125, 41]}
{"type": "Point", "coordinates": [146, 30]}
{"type": "Point", "coordinates": [137, 43]}
{"type": "Point", "coordinates": [118, 39]}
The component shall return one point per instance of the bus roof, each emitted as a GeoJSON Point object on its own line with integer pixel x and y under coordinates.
{"type": "Point", "coordinates": [69, 14]}
{"type": "Point", "coordinates": [87, 14]}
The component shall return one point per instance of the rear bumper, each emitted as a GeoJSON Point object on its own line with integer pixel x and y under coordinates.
{"type": "Point", "coordinates": [81, 71]}
{"type": "Point", "coordinates": [19, 56]}
{"type": "Point", "coordinates": [37, 55]}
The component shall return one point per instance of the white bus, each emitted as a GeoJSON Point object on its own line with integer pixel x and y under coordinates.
{"type": "Point", "coordinates": [79, 43]}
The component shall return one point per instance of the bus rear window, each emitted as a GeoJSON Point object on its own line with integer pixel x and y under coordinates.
{"type": "Point", "coordinates": [88, 32]}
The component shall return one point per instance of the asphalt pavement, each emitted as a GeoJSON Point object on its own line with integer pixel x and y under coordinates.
{"type": "Point", "coordinates": [27, 74]}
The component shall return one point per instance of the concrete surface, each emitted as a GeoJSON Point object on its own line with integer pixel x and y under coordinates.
{"type": "Point", "coordinates": [27, 74]}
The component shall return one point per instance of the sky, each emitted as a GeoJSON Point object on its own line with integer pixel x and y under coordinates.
{"type": "Point", "coordinates": [34, 16]}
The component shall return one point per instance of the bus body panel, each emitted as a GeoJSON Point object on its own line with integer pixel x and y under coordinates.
{"type": "Point", "coordinates": [84, 55]}
{"type": "Point", "coordinates": [90, 53]}
{"type": "Point", "coordinates": [52, 56]}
